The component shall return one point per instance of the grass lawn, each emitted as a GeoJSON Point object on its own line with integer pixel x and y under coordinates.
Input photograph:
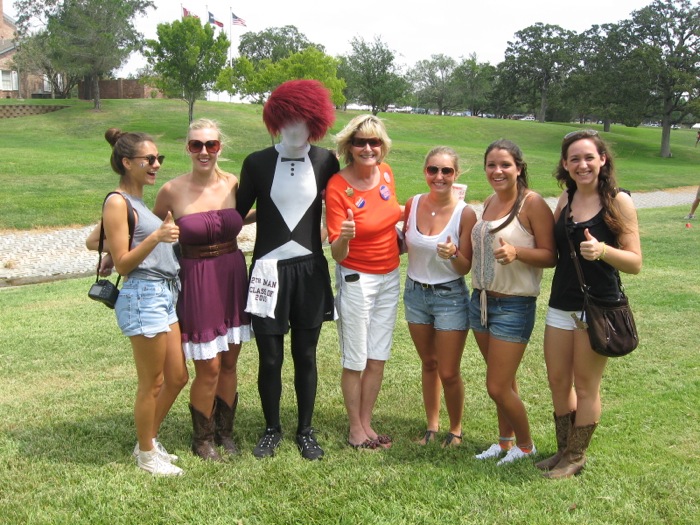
{"type": "Point", "coordinates": [68, 382]}
{"type": "Point", "coordinates": [55, 167]}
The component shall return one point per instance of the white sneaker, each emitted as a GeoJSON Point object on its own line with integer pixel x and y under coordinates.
{"type": "Point", "coordinates": [494, 451]}
{"type": "Point", "coordinates": [515, 454]}
{"type": "Point", "coordinates": [689, 216]}
{"type": "Point", "coordinates": [164, 453]}
{"type": "Point", "coordinates": [158, 447]}
{"type": "Point", "coordinates": [152, 462]}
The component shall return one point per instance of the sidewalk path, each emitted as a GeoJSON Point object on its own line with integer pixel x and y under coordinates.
{"type": "Point", "coordinates": [28, 257]}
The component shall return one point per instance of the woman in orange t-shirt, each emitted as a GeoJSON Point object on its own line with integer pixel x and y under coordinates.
{"type": "Point", "coordinates": [361, 213]}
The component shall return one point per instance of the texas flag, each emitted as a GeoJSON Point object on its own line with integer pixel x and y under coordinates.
{"type": "Point", "coordinates": [214, 21]}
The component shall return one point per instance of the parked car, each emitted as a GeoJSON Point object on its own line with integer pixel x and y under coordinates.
{"type": "Point", "coordinates": [529, 117]}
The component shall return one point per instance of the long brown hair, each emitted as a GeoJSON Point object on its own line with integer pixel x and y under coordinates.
{"type": "Point", "coordinates": [607, 183]}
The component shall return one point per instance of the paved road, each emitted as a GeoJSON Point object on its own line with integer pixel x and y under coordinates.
{"type": "Point", "coordinates": [28, 257]}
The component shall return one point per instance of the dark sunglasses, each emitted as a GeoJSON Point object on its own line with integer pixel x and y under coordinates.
{"type": "Point", "coordinates": [361, 143]}
{"type": "Point", "coordinates": [433, 170]}
{"type": "Point", "coordinates": [151, 159]}
{"type": "Point", "coordinates": [581, 133]}
{"type": "Point", "coordinates": [195, 146]}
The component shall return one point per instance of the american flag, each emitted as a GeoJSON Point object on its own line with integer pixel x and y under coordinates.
{"type": "Point", "coordinates": [237, 21]}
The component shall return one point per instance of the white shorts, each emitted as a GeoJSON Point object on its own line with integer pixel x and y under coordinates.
{"type": "Point", "coordinates": [367, 305]}
{"type": "Point", "coordinates": [562, 319]}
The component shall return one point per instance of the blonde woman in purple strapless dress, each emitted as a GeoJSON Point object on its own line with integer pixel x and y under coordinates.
{"type": "Point", "coordinates": [214, 287]}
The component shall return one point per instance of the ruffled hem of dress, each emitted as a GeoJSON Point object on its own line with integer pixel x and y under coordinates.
{"type": "Point", "coordinates": [210, 349]}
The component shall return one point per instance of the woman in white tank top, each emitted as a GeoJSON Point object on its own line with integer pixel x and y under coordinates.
{"type": "Point", "coordinates": [437, 230]}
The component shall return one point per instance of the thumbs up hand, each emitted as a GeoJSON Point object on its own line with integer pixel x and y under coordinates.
{"type": "Point", "coordinates": [169, 231]}
{"type": "Point", "coordinates": [347, 227]}
{"type": "Point", "coordinates": [591, 249]}
{"type": "Point", "coordinates": [506, 253]}
{"type": "Point", "coordinates": [446, 249]}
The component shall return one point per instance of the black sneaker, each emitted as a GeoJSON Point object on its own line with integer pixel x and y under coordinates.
{"type": "Point", "coordinates": [267, 444]}
{"type": "Point", "coordinates": [308, 446]}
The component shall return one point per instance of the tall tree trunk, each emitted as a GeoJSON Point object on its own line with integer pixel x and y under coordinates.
{"type": "Point", "coordinates": [666, 128]}
{"type": "Point", "coordinates": [96, 92]}
{"type": "Point", "coordinates": [543, 105]}
{"type": "Point", "coordinates": [190, 114]}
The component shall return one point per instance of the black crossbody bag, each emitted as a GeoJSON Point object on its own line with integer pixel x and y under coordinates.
{"type": "Point", "coordinates": [103, 290]}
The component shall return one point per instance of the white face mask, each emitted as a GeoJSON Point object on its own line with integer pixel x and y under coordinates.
{"type": "Point", "coordinates": [295, 135]}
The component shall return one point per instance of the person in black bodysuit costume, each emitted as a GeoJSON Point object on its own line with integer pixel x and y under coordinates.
{"type": "Point", "coordinates": [286, 182]}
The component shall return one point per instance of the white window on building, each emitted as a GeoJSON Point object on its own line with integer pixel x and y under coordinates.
{"type": "Point", "coordinates": [9, 80]}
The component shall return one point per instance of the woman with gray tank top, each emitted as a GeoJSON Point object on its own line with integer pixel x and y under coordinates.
{"type": "Point", "coordinates": [145, 308]}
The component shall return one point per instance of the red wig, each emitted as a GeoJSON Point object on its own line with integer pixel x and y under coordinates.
{"type": "Point", "coordinates": [300, 101]}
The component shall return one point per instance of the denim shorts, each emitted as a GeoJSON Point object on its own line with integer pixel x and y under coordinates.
{"type": "Point", "coordinates": [509, 318]}
{"type": "Point", "coordinates": [445, 305]}
{"type": "Point", "coordinates": [146, 307]}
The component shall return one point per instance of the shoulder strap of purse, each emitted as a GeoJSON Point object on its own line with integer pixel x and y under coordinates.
{"type": "Point", "coordinates": [574, 256]}
{"type": "Point", "coordinates": [132, 226]}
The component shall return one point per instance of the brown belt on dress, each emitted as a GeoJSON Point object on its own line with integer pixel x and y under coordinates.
{"type": "Point", "coordinates": [204, 251]}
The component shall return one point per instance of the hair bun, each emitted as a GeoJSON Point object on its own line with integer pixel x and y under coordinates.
{"type": "Point", "coordinates": [112, 135]}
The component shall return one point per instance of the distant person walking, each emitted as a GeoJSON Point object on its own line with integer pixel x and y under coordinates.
{"type": "Point", "coordinates": [694, 206]}
{"type": "Point", "coordinates": [697, 139]}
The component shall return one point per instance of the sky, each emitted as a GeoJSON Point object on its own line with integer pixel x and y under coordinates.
{"type": "Point", "coordinates": [413, 30]}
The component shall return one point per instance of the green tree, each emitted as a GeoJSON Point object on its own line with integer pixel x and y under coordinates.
{"type": "Point", "coordinates": [667, 32]}
{"type": "Point", "coordinates": [539, 59]}
{"type": "Point", "coordinates": [274, 44]}
{"type": "Point", "coordinates": [434, 83]}
{"type": "Point", "coordinates": [242, 78]}
{"type": "Point", "coordinates": [37, 55]}
{"type": "Point", "coordinates": [311, 63]}
{"type": "Point", "coordinates": [372, 76]}
{"type": "Point", "coordinates": [474, 82]}
{"type": "Point", "coordinates": [610, 82]}
{"type": "Point", "coordinates": [187, 59]}
{"type": "Point", "coordinates": [89, 38]}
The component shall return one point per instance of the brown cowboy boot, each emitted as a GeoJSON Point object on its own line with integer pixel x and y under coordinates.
{"type": "Point", "coordinates": [224, 416]}
{"type": "Point", "coordinates": [562, 426]}
{"type": "Point", "coordinates": [203, 435]}
{"type": "Point", "coordinates": [574, 458]}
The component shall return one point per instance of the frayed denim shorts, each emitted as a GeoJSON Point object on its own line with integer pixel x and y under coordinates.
{"type": "Point", "coordinates": [444, 305]}
{"type": "Point", "coordinates": [146, 307]}
{"type": "Point", "coordinates": [508, 318]}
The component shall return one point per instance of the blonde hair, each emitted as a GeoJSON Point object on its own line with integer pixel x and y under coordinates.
{"type": "Point", "coordinates": [368, 125]}
{"type": "Point", "coordinates": [443, 150]}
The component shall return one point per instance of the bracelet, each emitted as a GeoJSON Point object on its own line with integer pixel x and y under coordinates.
{"type": "Point", "coordinates": [455, 254]}
{"type": "Point", "coordinates": [602, 255]}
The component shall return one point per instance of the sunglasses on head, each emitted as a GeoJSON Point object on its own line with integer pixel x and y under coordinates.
{"type": "Point", "coordinates": [433, 170]}
{"type": "Point", "coordinates": [361, 143]}
{"type": "Point", "coordinates": [195, 146]}
{"type": "Point", "coordinates": [151, 159]}
{"type": "Point", "coordinates": [581, 133]}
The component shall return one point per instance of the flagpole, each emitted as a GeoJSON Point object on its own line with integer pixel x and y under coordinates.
{"type": "Point", "coordinates": [230, 34]}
